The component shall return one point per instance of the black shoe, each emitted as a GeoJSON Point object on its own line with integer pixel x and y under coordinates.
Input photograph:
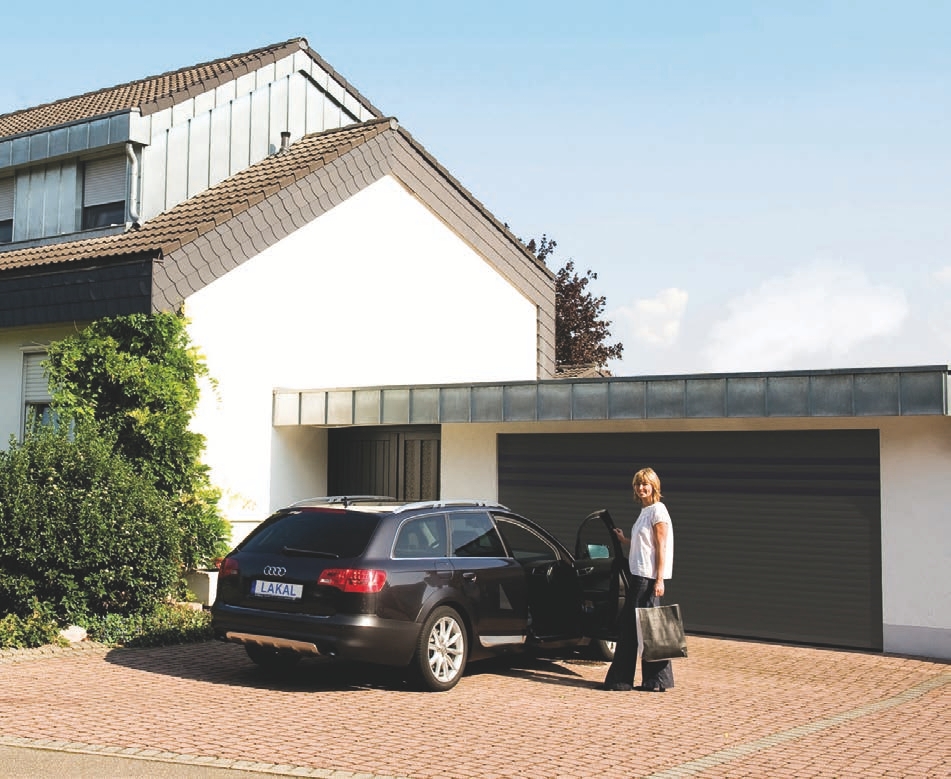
{"type": "Point", "coordinates": [618, 687]}
{"type": "Point", "coordinates": [652, 688]}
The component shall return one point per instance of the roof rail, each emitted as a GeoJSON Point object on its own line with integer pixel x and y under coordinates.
{"type": "Point", "coordinates": [345, 500]}
{"type": "Point", "coordinates": [441, 504]}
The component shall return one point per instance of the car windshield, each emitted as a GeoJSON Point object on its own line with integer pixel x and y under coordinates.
{"type": "Point", "coordinates": [333, 534]}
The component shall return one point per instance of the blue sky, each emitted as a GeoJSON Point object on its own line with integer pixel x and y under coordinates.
{"type": "Point", "coordinates": [759, 185]}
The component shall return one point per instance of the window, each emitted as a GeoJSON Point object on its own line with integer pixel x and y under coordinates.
{"type": "Point", "coordinates": [104, 192]}
{"type": "Point", "coordinates": [36, 393]}
{"type": "Point", "coordinates": [6, 210]}
{"type": "Point", "coordinates": [474, 535]}
{"type": "Point", "coordinates": [526, 547]}
{"type": "Point", "coordinates": [422, 537]}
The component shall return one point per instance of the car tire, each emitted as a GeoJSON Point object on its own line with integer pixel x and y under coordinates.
{"type": "Point", "coordinates": [271, 659]}
{"type": "Point", "coordinates": [442, 650]}
{"type": "Point", "coordinates": [605, 649]}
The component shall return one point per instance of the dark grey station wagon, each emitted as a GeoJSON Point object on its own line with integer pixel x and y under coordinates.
{"type": "Point", "coordinates": [425, 585]}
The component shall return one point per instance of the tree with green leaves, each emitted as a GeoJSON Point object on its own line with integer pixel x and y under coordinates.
{"type": "Point", "coordinates": [137, 377]}
{"type": "Point", "coordinates": [580, 332]}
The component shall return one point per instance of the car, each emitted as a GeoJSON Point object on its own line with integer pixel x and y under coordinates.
{"type": "Point", "coordinates": [426, 585]}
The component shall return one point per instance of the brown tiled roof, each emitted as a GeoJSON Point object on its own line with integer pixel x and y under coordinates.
{"type": "Point", "coordinates": [202, 213]}
{"type": "Point", "coordinates": [157, 92]}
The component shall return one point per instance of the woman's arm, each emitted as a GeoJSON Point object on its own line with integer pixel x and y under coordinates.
{"type": "Point", "coordinates": [660, 556]}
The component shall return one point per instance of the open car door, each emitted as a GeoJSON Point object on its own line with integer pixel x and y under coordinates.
{"type": "Point", "coordinates": [602, 567]}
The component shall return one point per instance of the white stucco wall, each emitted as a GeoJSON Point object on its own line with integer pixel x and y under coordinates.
{"type": "Point", "coordinates": [916, 535]}
{"type": "Point", "coordinates": [376, 291]}
{"type": "Point", "coordinates": [916, 505]}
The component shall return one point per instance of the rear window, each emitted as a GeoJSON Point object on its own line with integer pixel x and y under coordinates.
{"type": "Point", "coordinates": [329, 534]}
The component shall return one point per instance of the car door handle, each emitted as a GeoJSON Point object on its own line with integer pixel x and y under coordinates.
{"type": "Point", "coordinates": [585, 571]}
{"type": "Point", "coordinates": [470, 576]}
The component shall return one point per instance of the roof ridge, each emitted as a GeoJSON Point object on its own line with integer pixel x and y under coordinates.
{"type": "Point", "coordinates": [299, 41]}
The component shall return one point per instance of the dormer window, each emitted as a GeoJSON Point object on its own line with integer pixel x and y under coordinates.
{"type": "Point", "coordinates": [6, 210]}
{"type": "Point", "coordinates": [104, 192]}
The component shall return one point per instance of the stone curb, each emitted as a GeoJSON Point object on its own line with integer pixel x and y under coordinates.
{"type": "Point", "coordinates": [202, 761]}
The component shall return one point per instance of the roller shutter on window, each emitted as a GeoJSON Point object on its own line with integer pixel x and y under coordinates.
{"type": "Point", "coordinates": [104, 181]}
{"type": "Point", "coordinates": [35, 383]}
{"type": "Point", "coordinates": [6, 199]}
{"type": "Point", "coordinates": [777, 534]}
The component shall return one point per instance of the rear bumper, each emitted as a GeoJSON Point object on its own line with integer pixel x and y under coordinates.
{"type": "Point", "coordinates": [364, 638]}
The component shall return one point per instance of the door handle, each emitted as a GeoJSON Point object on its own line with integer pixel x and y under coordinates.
{"type": "Point", "coordinates": [585, 571]}
{"type": "Point", "coordinates": [470, 576]}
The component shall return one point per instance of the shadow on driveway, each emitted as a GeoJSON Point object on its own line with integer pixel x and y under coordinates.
{"type": "Point", "coordinates": [217, 662]}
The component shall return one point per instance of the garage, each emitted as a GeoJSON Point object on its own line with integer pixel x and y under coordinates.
{"type": "Point", "coordinates": [778, 534]}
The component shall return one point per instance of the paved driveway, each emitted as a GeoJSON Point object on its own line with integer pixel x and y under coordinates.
{"type": "Point", "coordinates": [739, 709]}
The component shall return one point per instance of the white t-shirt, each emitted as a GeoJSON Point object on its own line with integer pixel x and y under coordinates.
{"type": "Point", "coordinates": [643, 558]}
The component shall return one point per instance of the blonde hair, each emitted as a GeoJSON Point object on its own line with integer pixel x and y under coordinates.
{"type": "Point", "coordinates": [648, 476]}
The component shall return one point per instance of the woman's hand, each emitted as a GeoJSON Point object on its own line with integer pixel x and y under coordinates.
{"type": "Point", "coordinates": [659, 588]}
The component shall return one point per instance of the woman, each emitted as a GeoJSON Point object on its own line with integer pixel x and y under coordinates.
{"type": "Point", "coordinates": [651, 560]}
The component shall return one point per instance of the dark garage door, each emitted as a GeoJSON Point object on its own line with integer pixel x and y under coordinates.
{"type": "Point", "coordinates": [777, 534]}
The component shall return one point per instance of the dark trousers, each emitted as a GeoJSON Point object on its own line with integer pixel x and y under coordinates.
{"type": "Point", "coordinates": [640, 594]}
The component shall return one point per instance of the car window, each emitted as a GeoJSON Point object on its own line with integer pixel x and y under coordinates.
{"type": "Point", "coordinates": [474, 535]}
{"type": "Point", "coordinates": [594, 540]}
{"type": "Point", "coordinates": [332, 534]}
{"type": "Point", "coordinates": [525, 545]}
{"type": "Point", "coordinates": [422, 537]}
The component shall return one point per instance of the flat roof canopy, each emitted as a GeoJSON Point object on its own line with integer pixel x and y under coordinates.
{"type": "Point", "coordinates": [911, 391]}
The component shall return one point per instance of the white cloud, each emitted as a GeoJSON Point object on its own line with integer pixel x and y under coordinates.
{"type": "Point", "coordinates": [811, 318]}
{"type": "Point", "coordinates": [652, 321]}
{"type": "Point", "coordinates": [943, 274]}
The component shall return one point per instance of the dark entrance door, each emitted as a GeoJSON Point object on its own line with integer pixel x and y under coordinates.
{"type": "Point", "coordinates": [777, 534]}
{"type": "Point", "coordinates": [401, 462]}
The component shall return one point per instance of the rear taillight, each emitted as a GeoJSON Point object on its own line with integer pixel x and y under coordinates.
{"type": "Point", "coordinates": [228, 567]}
{"type": "Point", "coordinates": [353, 579]}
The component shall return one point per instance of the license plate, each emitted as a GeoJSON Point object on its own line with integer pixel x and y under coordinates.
{"type": "Point", "coordinates": [266, 589]}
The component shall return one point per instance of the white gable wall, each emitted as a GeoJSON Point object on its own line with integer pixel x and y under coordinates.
{"type": "Point", "coordinates": [376, 291]}
{"type": "Point", "coordinates": [221, 132]}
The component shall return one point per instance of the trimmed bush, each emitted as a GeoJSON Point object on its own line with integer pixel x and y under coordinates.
{"type": "Point", "coordinates": [81, 529]}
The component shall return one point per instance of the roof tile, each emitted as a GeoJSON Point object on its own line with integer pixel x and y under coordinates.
{"type": "Point", "coordinates": [154, 93]}
{"type": "Point", "coordinates": [209, 209]}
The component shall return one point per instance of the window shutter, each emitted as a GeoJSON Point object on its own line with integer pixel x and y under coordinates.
{"type": "Point", "coordinates": [104, 181]}
{"type": "Point", "coordinates": [6, 199]}
{"type": "Point", "coordinates": [35, 384]}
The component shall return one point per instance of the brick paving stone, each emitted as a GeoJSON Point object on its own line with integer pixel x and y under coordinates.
{"type": "Point", "coordinates": [739, 709]}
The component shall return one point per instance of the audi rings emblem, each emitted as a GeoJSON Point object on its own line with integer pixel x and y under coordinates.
{"type": "Point", "coordinates": [274, 570]}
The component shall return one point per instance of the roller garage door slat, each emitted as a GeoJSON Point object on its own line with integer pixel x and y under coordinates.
{"type": "Point", "coordinates": [778, 534]}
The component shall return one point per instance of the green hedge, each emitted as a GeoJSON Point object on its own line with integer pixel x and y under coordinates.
{"type": "Point", "coordinates": [169, 623]}
{"type": "Point", "coordinates": [81, 530]}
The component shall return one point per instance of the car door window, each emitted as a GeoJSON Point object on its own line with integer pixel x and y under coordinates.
{"type": "Point", "coordinates": [524, 545]}
{"type": "Point", "coordinates": [421, 537]}
{"type": "Point", "coordinates": [474, 535]}
{"type": "Point", "coordinates": [595, 541]}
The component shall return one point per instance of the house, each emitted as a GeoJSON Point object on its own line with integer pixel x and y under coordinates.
{"type": "Point", "coordinates": [372, 328]}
